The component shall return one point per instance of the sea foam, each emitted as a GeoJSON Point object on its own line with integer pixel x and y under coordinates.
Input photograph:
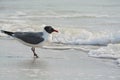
{"type": "Point", "coordinates": [112, 51]}
{"type": "Point", "coordinates": [85, 37]}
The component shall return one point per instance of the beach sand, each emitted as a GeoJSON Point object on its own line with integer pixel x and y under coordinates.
{"type": "Point", "coordinates": [17, 63]}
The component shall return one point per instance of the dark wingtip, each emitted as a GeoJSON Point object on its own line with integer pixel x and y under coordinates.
{"type": "Point", "coordinates": [7, 32]}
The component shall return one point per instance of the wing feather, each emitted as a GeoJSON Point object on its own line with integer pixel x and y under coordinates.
{"type": "Point", "coordinates": [30, 37]}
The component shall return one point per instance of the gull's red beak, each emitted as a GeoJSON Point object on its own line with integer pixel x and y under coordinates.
{"type": "Point", "coordinates": [55, 30]}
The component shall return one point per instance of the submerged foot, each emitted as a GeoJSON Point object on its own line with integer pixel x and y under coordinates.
{"type": "Point", "coordinates": [35, 55]}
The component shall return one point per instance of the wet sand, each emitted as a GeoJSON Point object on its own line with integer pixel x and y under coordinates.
{"type": "Point", "coordinates": [17, 63]}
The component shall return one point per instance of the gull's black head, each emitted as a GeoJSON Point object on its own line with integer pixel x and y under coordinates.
{"type": "Point", "coordinates": [49, 29]}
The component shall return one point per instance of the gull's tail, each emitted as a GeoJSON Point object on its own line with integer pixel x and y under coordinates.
{"type": "Point", "coordinates": [7, 32]}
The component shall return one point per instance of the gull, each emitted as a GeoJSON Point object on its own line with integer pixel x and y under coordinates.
{"type": "Point", "coordinates": [33, 39]}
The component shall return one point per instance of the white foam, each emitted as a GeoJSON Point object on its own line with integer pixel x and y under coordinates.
{"type": "Point", "coordinates": [84, 37]}
{"type": "Point", "coordinates": [71, 35]}
{"type": "Point", "coordinates": [111, 51]}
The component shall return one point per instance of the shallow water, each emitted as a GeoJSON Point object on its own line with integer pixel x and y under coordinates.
{"type": "Point", "coordinates": [95, 22]}
{"type": "Point", "coordinates": [69, 64]}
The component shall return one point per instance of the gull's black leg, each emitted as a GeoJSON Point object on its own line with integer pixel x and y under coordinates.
{"type": "Point", "coordinates": [33, 49]}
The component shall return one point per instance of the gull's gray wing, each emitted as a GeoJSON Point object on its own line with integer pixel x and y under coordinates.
{"type": "Point", "coordinates": [30, 37]}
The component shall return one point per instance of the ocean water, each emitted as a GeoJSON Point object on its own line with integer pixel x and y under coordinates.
{"type": "Point", "coordinates": [80, 22]}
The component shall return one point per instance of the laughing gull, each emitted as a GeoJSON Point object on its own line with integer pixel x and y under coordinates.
{"type": "Point", "coordinates": [33, 39]}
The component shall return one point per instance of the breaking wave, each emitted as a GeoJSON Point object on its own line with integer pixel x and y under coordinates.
{"type": "Point", "coordinates": [85, 37]}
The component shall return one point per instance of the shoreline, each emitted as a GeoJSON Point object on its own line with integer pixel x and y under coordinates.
{"type": "Point", "coordinates": [17, 63]}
